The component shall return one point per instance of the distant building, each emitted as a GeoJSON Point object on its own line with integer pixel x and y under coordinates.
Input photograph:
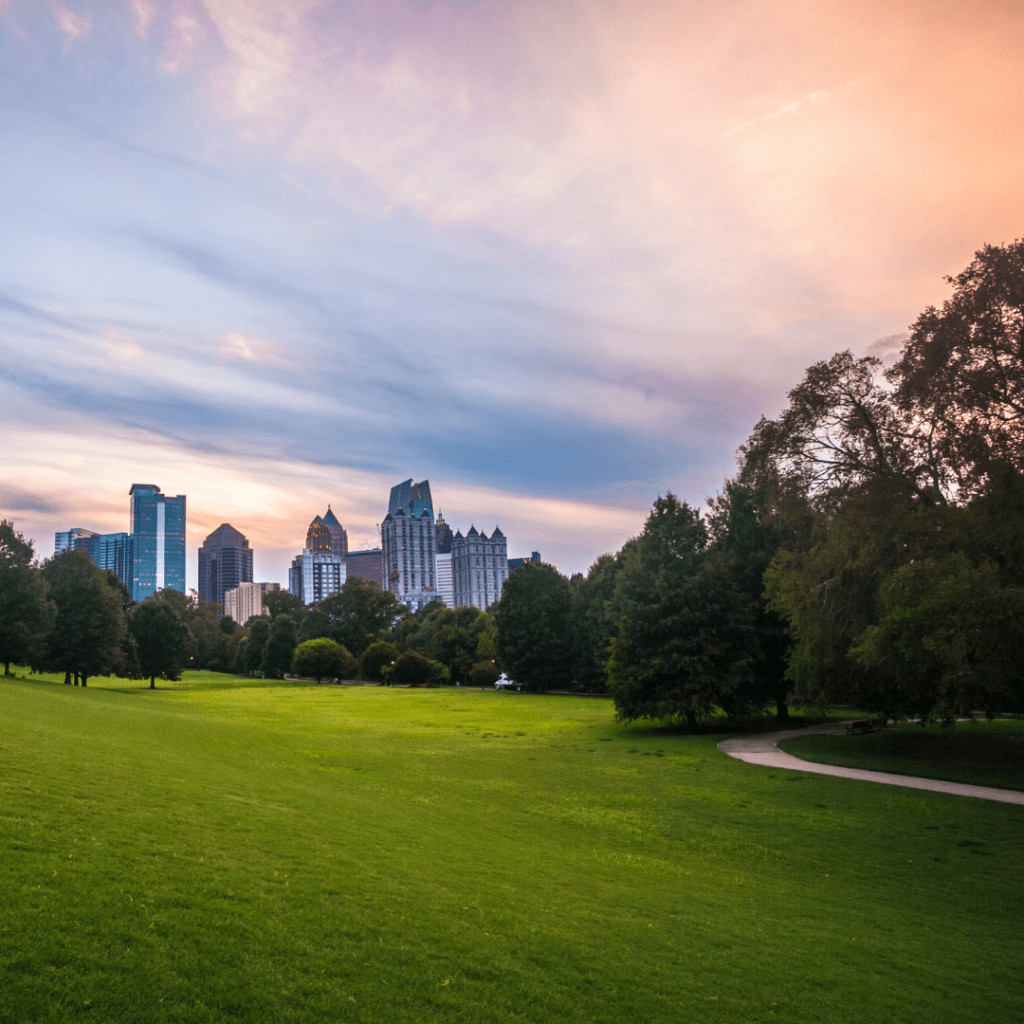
{"type": "Point", "coordinates": [246, 600]}
{"type": "Point", "coordinates": [225, 561]}
{"type": "Point", "coordinates": [320, 570]}
{"type": "Point", "coordinates": [479, 567]}
{"type": "Point", "coordinates": [157, 524]}
{"type": "Point", "coordinates": [443, 561]}
{"type": "Point", "coordinates": [72, 540]}
{"type": "Point", "coordinates": [518, 563]}
{"type": "Point", "coordinates": [111, 551]}
{"type": "Point", "coordinates": [368, 564]}
{"type": "Point", "coordinates": [408, 539]}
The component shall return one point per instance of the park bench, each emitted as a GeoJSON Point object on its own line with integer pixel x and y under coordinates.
{"type": "Point", "coordinates": [866, 725]}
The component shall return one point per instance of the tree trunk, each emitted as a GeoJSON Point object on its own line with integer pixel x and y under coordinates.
{"type": "Point", "coordinates": [76, 679]}
{"type": "Point", "coordinates": [691, 720]}
{"type": "Point", "coordinates": [781, 710]}
{"type": "Point", "coordinates": [84, 679]}
{"type": "Point", "coordinates": [67, 677]}
{"type": "Point", "coordinates": [152, 682]}
{"type": "Point", "coordinates": [7, 668]}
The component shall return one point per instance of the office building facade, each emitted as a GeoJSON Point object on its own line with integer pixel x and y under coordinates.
{"type": "Point", "coordinates": [479, 567]}
{"type": "Point", "coordinates": [157, 526]}
{"type": "Point", "coordinates": [368, 564]}
{"type": "Point", "coordinates": [408, 540]}
{"type": "Point", "coordinates": [111, 551]}
{"type": "Point", "coordinates": [320, 569]}
{"type": "Point", "coordinates": [225, 561]}
{"type": "Point", "coordinates": [246, 601]}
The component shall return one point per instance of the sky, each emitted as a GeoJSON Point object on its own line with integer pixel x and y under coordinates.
{"type": "Point", "coordinates": [557, 258]}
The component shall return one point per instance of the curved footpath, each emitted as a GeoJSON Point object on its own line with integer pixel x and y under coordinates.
{"type": "Point", "coordinates": [763, 750]}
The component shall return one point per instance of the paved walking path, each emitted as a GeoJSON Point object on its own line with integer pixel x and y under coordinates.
{"type": "Point", "coordinates": [764, 750]}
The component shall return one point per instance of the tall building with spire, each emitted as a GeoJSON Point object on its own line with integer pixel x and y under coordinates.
{"type": "Point", "coordinates": [319, 570]}
{"type": "Point", "coordinates": [225, 561]}
{"type": "Point", "coordinates": [408, 539]}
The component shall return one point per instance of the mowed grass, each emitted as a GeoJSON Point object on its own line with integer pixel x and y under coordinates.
{"type": "Point", "coordinates": [225, 850]}
{"type": "Point", "coordinates": [979, 753]}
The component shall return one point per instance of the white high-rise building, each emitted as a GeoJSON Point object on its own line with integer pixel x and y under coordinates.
{"type": "Point", "coordinates": [246, 600]}
{"type": "Point", "coordinates": [408, 540]}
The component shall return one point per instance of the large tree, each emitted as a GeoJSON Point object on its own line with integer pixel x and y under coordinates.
{"type": "Point", "coordinates": [26, 612]}
{"type": "Point", "coordinates": [684, 641]}
{"type": "Point", "coordinates": [962, 371]}
{"type": "Point", "coordinates": [89, 627]}
{"type": "Point", "coordinates": [533, 617]}
{"type": "Point", "coordinates": [360, 613]}
{"type": "Point", "coordinates": [161, 639]}
{"type": "Point", "coordinates": [592, 625]}
{"type": "Point", "coordinates": [280, 649]}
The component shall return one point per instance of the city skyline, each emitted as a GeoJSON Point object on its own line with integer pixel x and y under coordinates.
{"type": "Point", "coordinates": [561, 257]}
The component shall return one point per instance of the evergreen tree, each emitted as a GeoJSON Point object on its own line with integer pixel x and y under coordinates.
{"type": "Point", "coordinates": [280, 650]}
{"type": "Point", "coordinates": [26, 612]}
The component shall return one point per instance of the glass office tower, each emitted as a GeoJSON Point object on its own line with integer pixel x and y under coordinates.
{"type": "Point", "coordinates": [157, 525]}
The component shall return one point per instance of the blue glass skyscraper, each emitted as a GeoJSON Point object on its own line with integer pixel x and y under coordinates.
{"type": "Point", "coordinates": [157, 525]}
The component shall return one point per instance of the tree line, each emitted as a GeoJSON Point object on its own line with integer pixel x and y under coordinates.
{"type": "Point", "coordinates": [869, 550]}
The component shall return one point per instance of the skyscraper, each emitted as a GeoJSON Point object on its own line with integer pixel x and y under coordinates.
{"type": "Point", "coordinates": [479, 567]}
{"type": "Point", "coordinates": [320, 570]}
{"type": "Point", "coordinates": [225, 561]}
{"type": "Point", "coordinates": [408, 537]}
{"type": "Point", "coordinates": [443, 561]}
{"type": "Point", "coordinates": [111, 551]}
{"type": "Point", "coordinates": [157, 525]}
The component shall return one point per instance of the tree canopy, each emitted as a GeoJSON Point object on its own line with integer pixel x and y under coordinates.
{"type": "Point", "coordinates": [26, 612]}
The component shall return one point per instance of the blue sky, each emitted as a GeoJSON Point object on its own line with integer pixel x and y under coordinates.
{"type": "Point", "coordinates": [558, 261]}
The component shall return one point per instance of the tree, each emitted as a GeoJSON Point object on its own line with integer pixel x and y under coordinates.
{"type": "Point", "coordinates": [963, 369]}
{"type": "Point", "coordinates": [842, 430]}
{"type": "Point", "coordinates": [375, 658]}
{"type": "Point", "coordinates": [745, 537]}
{"type": "Point", "coordinates": [89, 626]}
{"type": "Point", "coordinates": [323, 659]}
{"type": "Point", "coordinates": [360, 613]}
{"type": "Point", "coordinates": [592, 628]}
{"type": "Point", "coordinates": [26, 613]}
{"type": "Point", "coordinates": [412, 669]}
{"type": "Point", "coordinates": [161, 639]}
{"type": "Point", "coordinates": [283, 602]}
{"type": "Point", "coordinates": [684, 642]}
{"type": "Point", "coordinates": [255, 646]}
{"type": "Point", "coordinates": [280, 649]}
{"type": "Point", "coordinates": [533, 618]}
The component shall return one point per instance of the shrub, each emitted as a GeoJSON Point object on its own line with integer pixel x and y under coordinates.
{"type": "Point", "coordinates": [323, 659]}
{"type": "Point", "coordinates": [484, 673]}
{"type": "Point", "coordinates": [412, 669]}
{"type": "Point", "coordinates": [375, 657]}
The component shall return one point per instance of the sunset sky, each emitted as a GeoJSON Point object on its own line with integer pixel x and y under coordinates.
{"type": "Point", "coordinates": [557, 257]}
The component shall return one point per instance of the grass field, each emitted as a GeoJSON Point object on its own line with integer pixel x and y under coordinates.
{"type": "Point", "coordinates": [228, 850]}
{"type": "Point", "coordinates": [979, 753]}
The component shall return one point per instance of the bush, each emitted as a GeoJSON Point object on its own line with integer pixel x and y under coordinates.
{"type": "Point", "coordinates": [484, 673]}
{"type": "Point", "coordinates": [323, 659]}
{"type": "Point", "coordinates": [375, 658]}
{"type": "Point", "coordinates": [412, 669]}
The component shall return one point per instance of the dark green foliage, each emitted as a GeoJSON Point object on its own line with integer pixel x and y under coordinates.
{"type": "Point", "coordinates": [255, 645]}
{"type": "Point", "coordinates": [533, 617]}
{"type": "Point", "coordinates": [26, 613]}
{"type": "Point", "coordinates": [375, 658]}
{"type": "Point", "coordinates": [412, 669]}
{"type": "Point", "coordinates": [160, 638]}
{"type": "Point", "coordinates": [962, 371]}
{"type": "Point", "coordinates": [592, 628]}
{"type": "Point", "coordinates": [282, 602]}
{"type": "Point", "coordinates": [456, 637]}
{"type": "Point", "coordinates": [280, 649]}
{"type": "Point", "coordinates": [484, 673]}
{"type": "Point", "coordinates": [359, 614]}
{"type": "Point", "coordinates": [89, 626]}
{"type": "Point", "coordinates": [321, 658]}
{"type": "Point", "coordinates": [684, 640]}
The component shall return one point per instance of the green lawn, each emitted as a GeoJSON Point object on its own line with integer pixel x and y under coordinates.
{"type": "Point", "coordinates": [231, 850]}
{"type": "Point", "coordinates": [979, 753]}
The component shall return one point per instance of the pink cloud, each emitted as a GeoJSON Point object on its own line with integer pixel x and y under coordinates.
{"type": "Point", "coordinates": [70, 23]}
